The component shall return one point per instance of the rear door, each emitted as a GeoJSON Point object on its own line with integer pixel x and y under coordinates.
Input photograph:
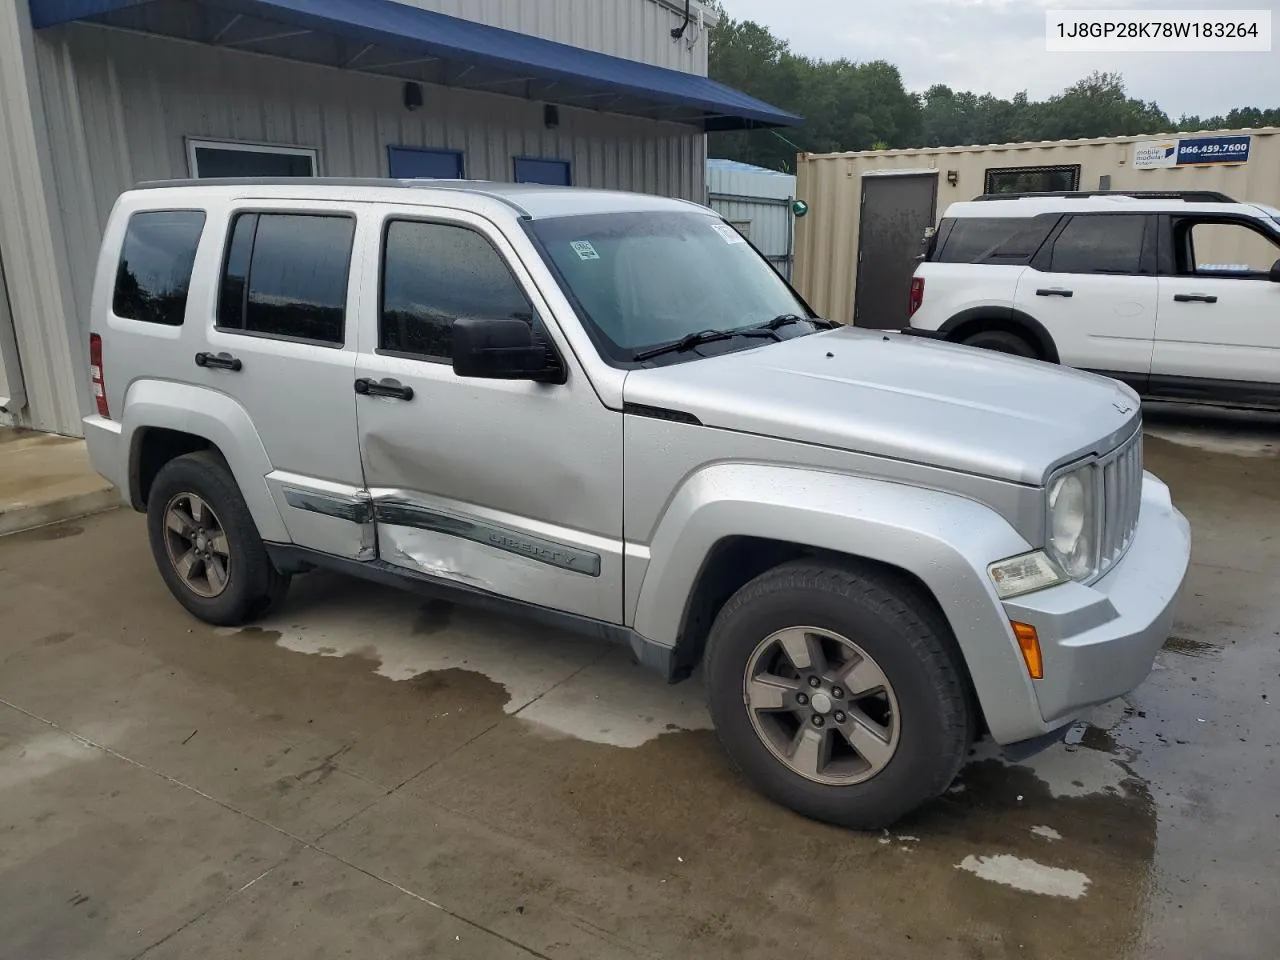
{"type": "Point", "coordinates": [1093, 287]}
{"type": "Point", "coordinates": [278, 341]}
{"type": "Point", "coordinates": [507, 486]}
{"type": "Point", "coordinates": [1218, 328]}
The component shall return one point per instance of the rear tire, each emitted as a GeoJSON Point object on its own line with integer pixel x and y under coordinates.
{"type": "Point", "coordinates": [206, 544]}
{"type": "Point", "coordinates": [875, 725]}
{"type": "Point", "coordinates": [1002, 341]}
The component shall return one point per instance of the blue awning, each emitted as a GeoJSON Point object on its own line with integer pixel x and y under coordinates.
{"type": "Point", "coordinates": [394, 39]}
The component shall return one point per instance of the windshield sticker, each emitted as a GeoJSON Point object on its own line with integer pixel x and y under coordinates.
{"type": "Point", "coordinates": [584, 250]}
{"type": "Point", "coordinates": [730, 235]}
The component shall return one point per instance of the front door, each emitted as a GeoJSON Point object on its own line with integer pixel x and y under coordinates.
{"type": "Point", "coordinates": [1218, 329]}
{"type": "Point", "coordinates": [896, 211]}
{"type": "Point", "coordinates": [508, 486]}
{"type": "Point", "coordinates": [1092, 286]}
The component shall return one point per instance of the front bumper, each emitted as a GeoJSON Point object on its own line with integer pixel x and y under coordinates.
{"type": "Point", "coordinates": [1100, 641]}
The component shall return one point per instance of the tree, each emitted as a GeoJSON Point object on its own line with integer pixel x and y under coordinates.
{"type": "Point", "coordinates": [864, 106]}
{"type": "Point", "coordinates": [1097, 106]}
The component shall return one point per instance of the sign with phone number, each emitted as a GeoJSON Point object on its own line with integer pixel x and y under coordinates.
{"type": "Point", "coordinates": [1180, 153]}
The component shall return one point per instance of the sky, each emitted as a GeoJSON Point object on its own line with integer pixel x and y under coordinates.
{"type": "Point", "coordinates": [998, 46]}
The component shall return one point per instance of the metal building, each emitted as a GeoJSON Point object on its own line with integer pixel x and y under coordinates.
{"type": "Point", "coordinates": [856, 249]}
{"type": "Point", "coordinates": [97, 95]}
{"type": "Point", "coordinates": [757, 201]}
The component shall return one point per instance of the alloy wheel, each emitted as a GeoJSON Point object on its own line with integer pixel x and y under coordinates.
{"type": "Point", "coordinates": [821, 705]}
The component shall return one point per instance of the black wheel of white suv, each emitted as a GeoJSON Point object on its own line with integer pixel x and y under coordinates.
{"type": "Point", "coordinates": [1002, 341]}
{"type": "Point", "coordinates": [838, 693]}
{"type": "Point", "coordinates": [206, 544]}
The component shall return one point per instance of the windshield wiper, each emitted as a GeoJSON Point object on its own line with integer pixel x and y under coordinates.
{"type": "Point", "coordinates": [786, 318]}
{"type": "Point", "coordinates": [698, 339]}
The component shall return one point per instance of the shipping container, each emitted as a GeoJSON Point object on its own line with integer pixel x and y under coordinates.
{"type": "Point", "coordinates": [856, 249]}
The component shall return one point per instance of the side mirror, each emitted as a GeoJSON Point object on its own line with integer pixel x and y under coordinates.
{"type": "Point", "coordinates": [1274, 275]}
{"type": "Point", "coordinates": [500, 350]}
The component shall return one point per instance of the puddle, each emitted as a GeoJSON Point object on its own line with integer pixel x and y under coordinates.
{"type": "Point", "coordinates": [558, 684]}
{"type": "Point", "coordinates": [52, 531]}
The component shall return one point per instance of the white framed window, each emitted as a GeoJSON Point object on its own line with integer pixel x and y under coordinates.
{"type": "Point", "coordinates": [231, 158]}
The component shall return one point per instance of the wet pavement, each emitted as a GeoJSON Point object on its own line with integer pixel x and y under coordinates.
{"type": "Point", "coordinates": [370, 774]}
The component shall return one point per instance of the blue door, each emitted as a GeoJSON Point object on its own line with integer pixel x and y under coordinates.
{"type": "Point", "coordinates": [554, 173]}
{"type": "Point", "coordinates": [408, 163]}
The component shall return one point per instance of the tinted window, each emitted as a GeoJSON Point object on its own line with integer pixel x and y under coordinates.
{"type": "Point", "coordinates": [433, 274]}
{"type": "Point", "coordinates": [228, 162]}
{"type": "Point", "coordinates": [1101, 244]}
{"type": "Point", "coordinates": [1033, 179]}
{"type": "Point", "coordinates": [286, 276]}
{"type": "Point", "coordinates": [155, 266]}
{"type": "Point", "coordinates": [552, 172]}
{"type": "Point", "coordinates": [982, 240]}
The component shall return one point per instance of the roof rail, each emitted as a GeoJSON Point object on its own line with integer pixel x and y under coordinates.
{"type": "Point", "coordinates": [477, 187]}
{"type": "Point", "coordinates": [1190, 196]}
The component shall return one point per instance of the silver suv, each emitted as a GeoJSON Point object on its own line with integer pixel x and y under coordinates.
{"type": "Point", "coordinates": [608, 410]}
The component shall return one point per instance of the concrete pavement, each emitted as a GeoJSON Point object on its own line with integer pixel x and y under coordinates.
{"type": "Point", "coordinates": [375, 775]}
{"type": "Point", "coordinates": [46, 478]}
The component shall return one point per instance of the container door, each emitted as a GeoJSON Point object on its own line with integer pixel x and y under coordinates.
{"type": "Point", "coordinates": [896, 210]}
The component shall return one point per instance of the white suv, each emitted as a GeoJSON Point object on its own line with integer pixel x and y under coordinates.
{"type": "Point", "coordinates": [1177, 295]}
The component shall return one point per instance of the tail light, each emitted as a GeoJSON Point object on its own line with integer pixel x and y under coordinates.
{"type": "Point", "coordinates": [917, 296]}
{"type": "Point", "coordinates": [95, 371]}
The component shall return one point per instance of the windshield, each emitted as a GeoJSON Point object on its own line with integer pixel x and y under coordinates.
{"type": "Point", "coordinates": [641, 280]}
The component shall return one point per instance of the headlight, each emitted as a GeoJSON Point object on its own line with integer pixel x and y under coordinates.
{"type": "Point", "coordinates": [1072, 541]}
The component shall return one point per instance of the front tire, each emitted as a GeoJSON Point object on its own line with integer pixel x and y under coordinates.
{"type": "Point", "coordinates": [206, 544]}
{"type": "Point", "coordinates": [838, 693]}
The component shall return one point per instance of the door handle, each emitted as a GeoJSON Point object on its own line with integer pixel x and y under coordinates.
{"type": "Point", "coordinates": [1054, 292]}
{"type": "Point", "coordinates": [368, 387]}
{"type": "Point", "coordinates": [219, 361]}
{"type": "Point", "coordinates": [1194, 298]}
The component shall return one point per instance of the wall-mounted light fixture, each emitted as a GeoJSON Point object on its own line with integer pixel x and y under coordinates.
{"type": "Point", "coordinates": [953, 177]}
{"type": "Point", "coordinates": [412, 95]}
{"type": "Point", "coordinates": [551, 116]}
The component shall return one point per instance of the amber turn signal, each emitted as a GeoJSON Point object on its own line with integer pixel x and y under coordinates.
{"type": "Point", "coordinates": [1029, 642]}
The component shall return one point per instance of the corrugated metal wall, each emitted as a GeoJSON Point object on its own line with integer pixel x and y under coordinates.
{"type": "Point", "coordinates": [119, 106]}
{"type": "Point", "coordinates": [31, 237]}
{"type": "Point", "coordinates": [762, 199]}
{"type": "Point", "coordinates": [635, 29]}
{"type": "Point", "coordinates": [827, 239]}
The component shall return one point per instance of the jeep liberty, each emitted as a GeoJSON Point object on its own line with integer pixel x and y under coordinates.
{"type": "Point", "coordinates": [609, 411]}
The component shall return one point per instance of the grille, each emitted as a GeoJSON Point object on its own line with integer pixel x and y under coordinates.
{"type": "Point", "coordinates": [1121, 472]}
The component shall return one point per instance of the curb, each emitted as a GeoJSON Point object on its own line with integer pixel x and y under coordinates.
{"type": "Point", "coordinates": [29, 516]}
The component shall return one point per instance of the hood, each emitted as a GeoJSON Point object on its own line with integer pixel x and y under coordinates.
{"type": "Point", "coordinates": [905, 397]}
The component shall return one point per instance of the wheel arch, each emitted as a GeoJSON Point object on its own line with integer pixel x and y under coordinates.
{"type": "Point", "coordinates": [163, 420]}
{"type": "Point", "coordinates": [732, 522]}
{"type": "Point", "coordinates": [977, 319]}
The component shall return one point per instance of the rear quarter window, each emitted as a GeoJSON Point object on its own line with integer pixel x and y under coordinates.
{"type": "Point", "coordinates": [993, 240]}
{"type": "Point", "coordinates": [156, 258]}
